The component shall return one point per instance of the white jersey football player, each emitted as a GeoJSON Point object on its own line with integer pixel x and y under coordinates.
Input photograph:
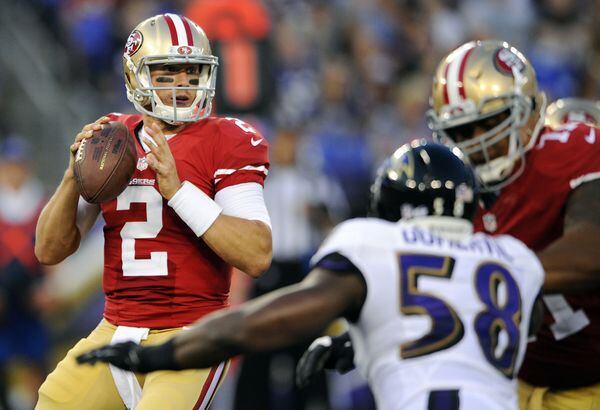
{"type": "Point", "coordinates": [439, 317]}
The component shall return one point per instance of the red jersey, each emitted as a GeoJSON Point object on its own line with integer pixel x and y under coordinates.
{"type": "Point", "coordinates": [566, 353]}
{"type": "Point", "coordinates": [157, 272]}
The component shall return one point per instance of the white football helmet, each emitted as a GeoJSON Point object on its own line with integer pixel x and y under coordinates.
{"type": "Point", "coordinates": [169, 39]}
{"type": "Point", "coordinates": [477, 81]}
{"type": "Point", "coordinates": [567, 110]}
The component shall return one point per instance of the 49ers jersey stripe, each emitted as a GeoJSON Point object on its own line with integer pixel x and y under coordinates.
{"type": "Point", "coordinates": [224, 172]}
{"type": "Point", "coordinates": [574, 183]}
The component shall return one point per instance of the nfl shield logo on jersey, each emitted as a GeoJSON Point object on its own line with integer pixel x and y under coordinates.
{"type": "Point", "coordinates": [142, 164]}
{"type": "Point", "coordinates": [489, 222]}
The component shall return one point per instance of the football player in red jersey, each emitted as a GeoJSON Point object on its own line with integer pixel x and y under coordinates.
{"type": "Point", "coordinates": [193, 209]}
{"type": "Point", "coordinates": [543, 187]}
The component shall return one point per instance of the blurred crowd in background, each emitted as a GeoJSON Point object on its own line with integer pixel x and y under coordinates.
{"type": "Point", "coordinates": [334, 85]}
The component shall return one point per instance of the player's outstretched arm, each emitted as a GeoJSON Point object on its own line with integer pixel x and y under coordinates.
{"type": "Point", "coordinates": [56, 234]}
{"type": "Point", "coordinates": [572, 262]}
{"type": "Point", "coordinates": [273, 321]}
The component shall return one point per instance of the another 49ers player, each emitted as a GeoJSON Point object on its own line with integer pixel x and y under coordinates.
{"type": "Point", "coordinates": [193, 209]}
{"type": "Point", "coordinates": [544, 189]}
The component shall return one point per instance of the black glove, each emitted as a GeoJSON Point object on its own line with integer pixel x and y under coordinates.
{"type": "Point", "coordinates": [133, 357]}
{"type": "Point", "coordinates": [333, 353]}
{"type": "Point", "coordinates": [124, 355]}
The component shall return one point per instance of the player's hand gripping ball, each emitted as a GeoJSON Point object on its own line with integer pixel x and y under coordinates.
{"type": "Point", "coordinates": [105, 162]}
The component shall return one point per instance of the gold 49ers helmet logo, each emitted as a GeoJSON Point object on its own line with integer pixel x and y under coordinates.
{"type": "Point", "coordinates": [185, 50]}
{"type": "Point", "coordinates": [134, 42]}
{"type": "Point", "coordinates": [505, 60]}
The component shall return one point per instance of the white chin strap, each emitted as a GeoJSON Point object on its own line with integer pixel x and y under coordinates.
{"type": "Point", "coordinates": [174, 114]}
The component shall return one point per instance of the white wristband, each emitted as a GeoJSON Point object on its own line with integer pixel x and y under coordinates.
{"type": "Point", "coordinates": [195, 208]}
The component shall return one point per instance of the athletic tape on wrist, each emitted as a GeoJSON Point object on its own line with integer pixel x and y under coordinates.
{"type": "Point", "coordinates": [195, 208]}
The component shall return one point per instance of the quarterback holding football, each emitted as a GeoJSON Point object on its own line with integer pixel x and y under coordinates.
{"type": "Point", "coordinates": [192, 210]}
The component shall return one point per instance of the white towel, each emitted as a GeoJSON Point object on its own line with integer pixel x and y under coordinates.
{"type": "Point", "coordinates": [127, 385]}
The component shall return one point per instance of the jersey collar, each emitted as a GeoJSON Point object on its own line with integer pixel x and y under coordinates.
{"type": "Point", "coordinates": [444, 226]}
{"type": "Point", "coordinates": [144, 134]}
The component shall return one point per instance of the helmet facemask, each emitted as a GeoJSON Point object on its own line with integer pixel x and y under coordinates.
{"type": "Point", "coordinates": [494, 173]}
{"type": "Point", "coordinates": [145, 97]}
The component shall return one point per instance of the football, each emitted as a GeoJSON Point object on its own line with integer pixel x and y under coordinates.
{"type": "Point", "coordinates": [104, 163]}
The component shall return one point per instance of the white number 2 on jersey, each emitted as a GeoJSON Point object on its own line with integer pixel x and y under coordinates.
{"type": "Point", "coordinates": [157, 264]}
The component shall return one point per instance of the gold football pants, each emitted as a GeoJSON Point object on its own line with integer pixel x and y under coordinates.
{"type": "Point", "coordinates": [542, 398]}
{"type": "Point", "coordinates": [73, 386]}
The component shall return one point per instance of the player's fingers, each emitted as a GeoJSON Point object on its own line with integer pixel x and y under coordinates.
{"type": "Point", "coordinates": [102, 120]}
{"type": "Point", "coordinates": [151, 146]}
{"type": "Point", "coordinates": [302, 373]}
{"type": "Point", "coordinates": [151, 160]}
{"type": "Point", "coordinates": [84, 134]}
{"type": "Point", "coordinates": [157, 134]}
{"type": "Point", "coordinates": [87, 127]}
{"type": "Point", "coordinates": [96, 125]}
{"type": "Point", "coordinates": [155, 164]}
{"type": "Point", "coordinates": [88, 130]}
{"type": "Point", "coordinates": [89, 357]}
{"type": "Point", "coordinates": [160, 169]}
{"type": "Point", "coordinates": [307, 367]}
{"type": "Point", "coordinates": [81, 136]}
{"type": "Point", "coordinates": [75, 146]}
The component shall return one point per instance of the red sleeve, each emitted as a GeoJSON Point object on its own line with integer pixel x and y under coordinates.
{"type": "Point", "coordinates": [571, 153]}
{"type": "Point", "coordinates": [242, 154]}
{"type": "Point", "coordinates": [130, 120]}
